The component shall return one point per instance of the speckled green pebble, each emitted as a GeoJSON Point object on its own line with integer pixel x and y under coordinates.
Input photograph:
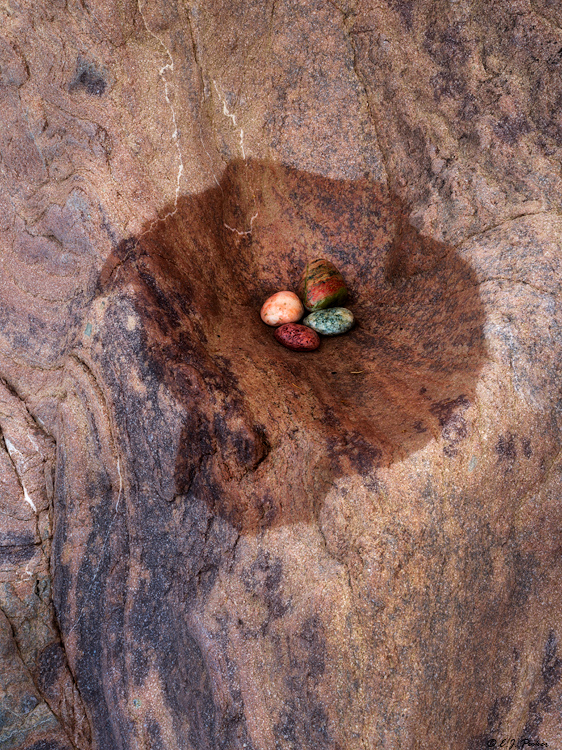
{"type": "Point", "coordinates": [330, 322]}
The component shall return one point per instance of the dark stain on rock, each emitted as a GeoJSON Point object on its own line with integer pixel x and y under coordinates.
{"type": "Point", "coordinates": [351, 448]}
{"type": "Point", "coordinates": [98, 588]}
{"type": "Point", "coordinates": [303, 721]}
{"type": "Point", "coordinates": [447, 47]}
{"type": "Point", "coordinates": [312, 633]}
{"type": "Point", "coordinates": [140, 665]}
{"type": "Point", "coordinates": [250, 448]}
{"type": "Point", "coordinates": [444, 84]}
{"type": "Point", "coordinates": [17, 548]}
{"type": "Point", "coordinates": [155, 735]}
{"type": "Point", "coordinates": [506, 450]}
{"type": "Point", "coordinates": [88, 78]}
{"type": "Point", "coordinates": [264, 574]}
{"type": "Point", "coordinates": [263, 579]}
{"type": "Point", "coordinates": [46, 745]}
{"type": "Point", "coordinates": [447, 412]}
{"type": "Point", "coordinates": [551, 673]}
{"type": "Point", "coordinates": [525, 567]}
{"type": "Point", "coordinates": [362, 454]}
{"type": "Point", "coordinates": [194, 449]}
{"type": "Point", "coordinates": [496, 715]}
{"type": "Point", "coordinates": [469, 108]}
{"type": "Point", "coordinates": [286, 729]}
{"type": "Point", "coordinates": [510, 129]}
{"type": "Point", "coordinates": [526, 447]}
{"type": "Point", "coordinates": [551, 669]}
{"type": "Point", "coordinates": [406, 10]}
{"type": "Point", "coordinates": [50, 662]}
{"type": "Point", "coordinates": [28, 703]}
{"type": "Point", "coordinates": [62, 579]}
{"type": "Point", "coordinates": [230, 380]}
{"type": "Point", "coordinates": [188, 690]}
{"type": "Point", "coordinates": [302, 726]}
{"type": "Point", "coordinates": [454, 428]}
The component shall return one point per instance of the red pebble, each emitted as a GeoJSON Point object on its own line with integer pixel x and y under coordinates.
{"type": "Point", "coordinates": [296, 337]}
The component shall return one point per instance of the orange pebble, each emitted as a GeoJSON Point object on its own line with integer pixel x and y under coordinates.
{"type": "Point", "coordinates": [281, 308]}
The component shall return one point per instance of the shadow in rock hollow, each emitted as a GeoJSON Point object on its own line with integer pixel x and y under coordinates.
{"type": "Point", "coordinates": [266, 430]}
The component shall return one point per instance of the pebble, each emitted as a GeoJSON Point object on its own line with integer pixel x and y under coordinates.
{"type": "Point", "coordinates": [298, 338]}
{"type": "Point", "coordinates": [280, 308]}
{"type": "Point", "coordinates": [330, 322]}
{"type": "Point", "coordinates": [322, 285]}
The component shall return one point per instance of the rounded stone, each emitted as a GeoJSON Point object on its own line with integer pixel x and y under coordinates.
{"type": "Point", "coordinates": [298, 338]}
{"type": "Point", "coordinates": [322, 285]}
{"type": "Point", "coordinates": [280, 308]}
{"type": "Point", "coordinates": [330, 322]}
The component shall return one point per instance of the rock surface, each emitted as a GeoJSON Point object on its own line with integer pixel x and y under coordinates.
{"type": "Point", "coordinates": [206, 543]}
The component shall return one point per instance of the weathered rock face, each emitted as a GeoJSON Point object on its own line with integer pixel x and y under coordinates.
{"type": "Point", "coordinates": [209, 541]}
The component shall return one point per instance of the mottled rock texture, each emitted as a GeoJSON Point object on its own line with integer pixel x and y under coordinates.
{"type": "Point", "coordinates": [206, 541]}
{"type": "Point", "coordinates": [322, 285]}
{"type": "Point", "coordinates": [330, 322]}
{"type": "Point", "coordinates": [297, 337]}
{"type": "Point", "coordinates": [281, 308]}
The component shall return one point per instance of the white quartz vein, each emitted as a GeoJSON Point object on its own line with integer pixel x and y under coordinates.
{"type": "Point", "coordinates": [13, 451]}
{"type": "Point", "coordinates": [175, 133]}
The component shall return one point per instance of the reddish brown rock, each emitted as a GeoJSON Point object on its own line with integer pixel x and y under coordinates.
{"type": "Point", "coordinates": [297, 337]}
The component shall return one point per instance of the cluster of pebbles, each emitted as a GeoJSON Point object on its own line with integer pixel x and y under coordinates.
{"type": "Point", "coordinates": [322, 289]}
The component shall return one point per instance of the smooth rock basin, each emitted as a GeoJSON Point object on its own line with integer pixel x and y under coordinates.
{"type": "Point", "coordinates": [273, 449]}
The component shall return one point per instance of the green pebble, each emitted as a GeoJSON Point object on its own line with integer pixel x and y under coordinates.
{"type": "Point", "coordinates": [330, 322]}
